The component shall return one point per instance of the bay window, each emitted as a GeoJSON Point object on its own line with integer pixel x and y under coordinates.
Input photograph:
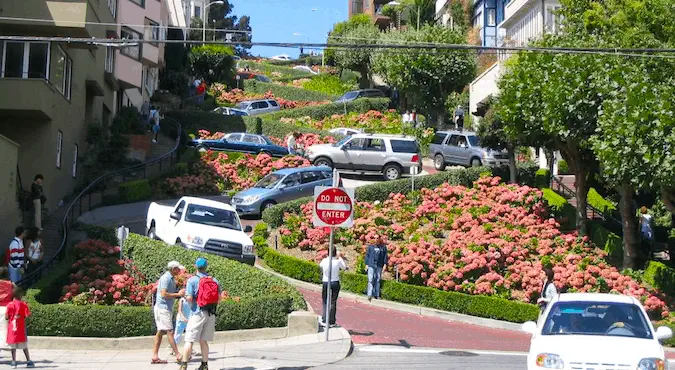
{"type": "Point", "coordinates": [131, 51]}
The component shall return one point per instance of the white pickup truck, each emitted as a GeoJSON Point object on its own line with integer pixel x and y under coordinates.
{"type": "Point", "coordinates": [202, 225]}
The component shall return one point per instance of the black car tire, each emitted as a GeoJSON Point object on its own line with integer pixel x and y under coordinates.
{"type": "Point", "coordinates": [475, 162]}
{"type": "Point", "coordinates": [439, 162]}
{"type": "Point", "coordinates": [266, 152]}
{"type": "Point", "coordinates": [392, 169]}
{"type": "Point", "coordinates": [266, 205]}
{"type": "Point", "coordinates": [323, 161]}
{"type": "Point", "coordinates": [151, 233]}
{"type": "Point", "coordinates": [180, 243]}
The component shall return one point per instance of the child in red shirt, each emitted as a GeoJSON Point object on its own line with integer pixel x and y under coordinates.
{"type": "Point", "coordinates": [17, 335]}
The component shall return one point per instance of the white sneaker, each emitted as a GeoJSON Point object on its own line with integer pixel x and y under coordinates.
{"type": "Point", "coordinates": [154, 141]}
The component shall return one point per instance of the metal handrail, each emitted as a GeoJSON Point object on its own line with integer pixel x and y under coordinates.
{"type": "Point", "coordinates": [67, 220]}
{"type": "Point", "coordinates": [566, 191]}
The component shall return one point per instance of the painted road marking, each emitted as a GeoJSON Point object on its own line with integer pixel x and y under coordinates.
{"type": "Point", "coordinates": [393, 349]}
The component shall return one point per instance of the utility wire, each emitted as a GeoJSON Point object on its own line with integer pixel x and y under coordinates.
{"type": "Point", "coordinates": [38, 20]}
{"type": "Point", "coordinates": [439, 47]}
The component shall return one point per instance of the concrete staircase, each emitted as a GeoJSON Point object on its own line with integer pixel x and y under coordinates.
{"type": "Point", "coordinates": [569, 181]}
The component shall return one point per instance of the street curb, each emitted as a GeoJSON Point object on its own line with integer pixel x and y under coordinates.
{"type": "Point", "coordinates": [402, 307]}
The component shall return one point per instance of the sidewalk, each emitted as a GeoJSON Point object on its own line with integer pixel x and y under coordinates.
{"type": "Point", "coordinates": [302, 351]}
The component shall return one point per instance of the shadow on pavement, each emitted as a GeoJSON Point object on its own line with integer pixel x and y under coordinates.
{"type": "Point", "coordinates": [361, 333]}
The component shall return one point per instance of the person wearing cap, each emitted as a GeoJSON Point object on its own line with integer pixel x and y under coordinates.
{"type": "Point", "coordinates": [201, 325]}
{"type": "Point", "coordinates": [167, 291]}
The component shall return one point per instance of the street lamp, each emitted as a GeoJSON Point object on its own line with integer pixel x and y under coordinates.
{"type": "Point", "coordinates": [206, 12]}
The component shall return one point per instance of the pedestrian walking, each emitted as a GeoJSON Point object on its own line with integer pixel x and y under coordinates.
{"type": "Point", "coordinates": [406, 117]}
{"type": "Point", "coordinates": [646, 228]}
{"type": "Point", "coordinates": [459, 118]}
{"type": "Point", "coordinates": [182, 317]}
{"type": "Point", "coordinates": [17, 334]}
{"type": "Point", "coordinates": [38, 198]}
{"type": "Point", "coordinates": [6, 296]}
{"type": "Point", "coordinates": [155, 119]}
{"type": "Point", "coordinates": [376, 259]}
{"type": "Point", "coordinates": [338, 263]}
{"type": "Point", "coordinates": [291, 143]}
{"type": "Point", "coordinates": [202, 294]}
{"type": "Point", "coordinates": [33, 242]}
{"type": "Point", "coordinates": [163, 307]}
{"type": "Point", "coordinates": [548, 291]}
{"type": "Point", "coordinates": [17, 256]}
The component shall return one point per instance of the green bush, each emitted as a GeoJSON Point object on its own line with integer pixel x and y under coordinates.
{"type": "Point", "coordinates": [107, 234]}
{"type": "Point", "coordinates": [267, 68]}
{"type": "Point", "coordinates": [599, 202]}
{"type": "Point", "coordinates": [134, 191]}
{"type": "Point", "coordinates": [238, 279]}
{"type": "Point", "coordinates": [660, 276]}
{"type": "Point", "coordinates": [326, 110]}
{"type": "Point", "coordinates": [328, 84]}
{"type": "Point", "coordinates": [212, 62]}
{"type": "Point", "coordinates": [286, 92]}
{"type": "Point", "coordinates": [542, 179]}
{"type": "Point", "coordinates": [526, 173]}
{"type": "Point", "coordinates": [193, 121]}
{"type": "Point", "coordinates": [280, 130]}
{"type": "Point", "coordinates": [563, 169]}
{"type": "Point", "coordinates": [292, 267]}
{"type": "Point", "coordinates": [563, 212]}
{"type": "Point", "coordinates": [607, 241]}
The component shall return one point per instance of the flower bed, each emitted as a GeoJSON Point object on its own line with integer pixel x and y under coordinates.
{"type": "Point", "coordinates": [492, 239]}
{"type": "Point", "coordinates": [237, 96]}
{"type": "Point", "coordinates": [305, 139]}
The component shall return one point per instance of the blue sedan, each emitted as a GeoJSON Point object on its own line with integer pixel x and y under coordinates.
{"type": "Point", "coordinates": [281, 186]}
{"type": "Point", "coordinates": [242, 142]}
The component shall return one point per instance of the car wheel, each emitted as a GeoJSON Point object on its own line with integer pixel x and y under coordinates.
{"type": "Point", "coordinates": [439, 162]}
{"type": "Point", "coordinates": [202, 148]}
{"type": "Point", "coordinates": [266, 152]}
{"type": "Point", "coordinates": [323, 161]}
{"type": "Point", "coordinates": [475, 162]}
{"type": "Point", "coordinates": [180, 243]}
{"type": "Point", "coordinates": [151, 233]}
{"type": "Point", "coordinates": [266, 205]}
{"type": "Point", "coordinates": [392, 172]}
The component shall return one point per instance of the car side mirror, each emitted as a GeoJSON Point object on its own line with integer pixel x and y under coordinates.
{"type": "Point", "coordinates": [529, 327]}
{"type": "Point", "coordinates": [248, 229]}
{"type": "Point", "coordinates": [663, 333]}
{"type": "Point", "coordinates": [175, 216]}
{"type": "Point", "coordinates": [344, 147]}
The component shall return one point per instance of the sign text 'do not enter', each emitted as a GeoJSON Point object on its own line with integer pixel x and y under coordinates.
{"type": "Point", "coordinates": [333, 207]}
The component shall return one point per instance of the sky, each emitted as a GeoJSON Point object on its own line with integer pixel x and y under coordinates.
{"type": "Point", "coordinates": [290, 21]}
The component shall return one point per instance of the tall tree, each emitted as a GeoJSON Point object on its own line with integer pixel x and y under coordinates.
{"type": "Point", "coordinates": [429, 76]}
{"type": "Point", "coordinates": [335, 36]}
{"type": "Point", "coordinates": [358, 58]}
{"type": "Point", "coordinates": [493, 135]}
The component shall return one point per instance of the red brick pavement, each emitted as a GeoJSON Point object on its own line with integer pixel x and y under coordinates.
{"type": "Point", "coordinates": [374, 325]}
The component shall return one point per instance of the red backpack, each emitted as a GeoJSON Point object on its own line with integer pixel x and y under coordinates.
{"type": "Point", "coordinates": [207, 294]}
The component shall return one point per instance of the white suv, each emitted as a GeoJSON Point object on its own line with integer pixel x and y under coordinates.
{"type": "Point", "coordinates": [390, 155]}
{"type": "Point", "coordinates": [255, 107]}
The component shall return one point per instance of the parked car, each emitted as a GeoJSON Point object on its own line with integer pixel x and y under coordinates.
{"type": "Point", "coordinates": [345, 131]}
{"type": "Point", "coordinates": [595, 331]}
{"type": "Point", "coordinates": [203, 225]}
{"type": "Point", "coordinates": [390, 155]}
{"type": "Point", "coordinates": [281, 57]}
{"type": "Point", "coordinates": [281, 186]}
{"type": "Point", "coordinates": [227, 111]}
{"type": "Point", "coordinates": [242, 142]}
{"type": "Point", "coordinates": [463, 148]}
{"type": "Point", "coordinates": [255, 107]}
{"type": "Point", "coordinates": [253, 76]}
{"type": "Point", "coordinates": [306, 69]}
{"type": "Point", "coordinates": [353, 95]}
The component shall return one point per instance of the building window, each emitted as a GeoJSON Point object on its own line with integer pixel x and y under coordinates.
{"type": "Point", "coordinates": [25, 59]}
{"type": "Point", "coordinates": [131, 51]}
{"type": "Point", "coordinates": [63, 70]}
{"type": "Point", "coordinates": [150, 80]}
{"type": "Point", "coordinates": [198, 11]}
{"type": "Point", "coordinates": [140, 3]}
{"type": "Point", "coordinates": [110, 59]}
{"type": "Point", "coordinates": [491, 17]}
{"type": "Point", "coordinates": [59, 147]}
{"type": "Point", "coordinates": [112, 5]}
{"type": "Point", "coordinates": [478, 21]}
{"type": "Point", "coordinates": [152, 31]}
{"type": "Point", "coordinates": [75, 153]}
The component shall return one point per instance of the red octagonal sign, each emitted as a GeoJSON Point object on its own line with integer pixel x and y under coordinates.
{"type": "Point", "coordinates": [332, 207]}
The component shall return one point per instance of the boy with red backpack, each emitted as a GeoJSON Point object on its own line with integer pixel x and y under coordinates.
{"type": "Point", "coordinates": [202, 294]}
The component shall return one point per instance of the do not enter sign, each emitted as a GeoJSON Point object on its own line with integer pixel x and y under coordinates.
{"type": "Point", "coordinates": [333, 207]}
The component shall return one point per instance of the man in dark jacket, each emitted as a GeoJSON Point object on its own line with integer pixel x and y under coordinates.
{"type": "Point", "coordinates": [376, 259]}
{"type": "Point", "coordinates": [38, 198]}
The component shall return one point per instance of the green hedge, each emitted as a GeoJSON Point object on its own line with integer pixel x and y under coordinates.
{"type": "Point", "coordinates": [326, 110]}
{"type": "Point", "coordinates": [475, 305]}
{"type": "Point", "coordinates": [281, 130]}
{"type": "Point", "coordinates": [107, 234]}
{"type": "Point", "coordinates": [238, 279]}
{"type": "Point", "coordinates": [542, 178]}
{"type": "Point", "coordinates": [192, 121]}
{"type": "Point", "coordinates": [660, 276]}
{"type": "Point", "coordinates": [134, 191]}
{"type": "Point", "coordinates": [286, 92]}
{"type": "Point", "coordinates": [526, 173]}
{"type": "Point", "coordinates": [267, 68]}
{"type": "Point", "coordinates": [599, 202]}
{"type": "Point", "coordinates": [564, 212]}
{"type": "Point", "coordinates": [563, 168]}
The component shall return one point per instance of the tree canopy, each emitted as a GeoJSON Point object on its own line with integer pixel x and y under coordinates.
{"type": "Point", "coordinates": [357, 58]}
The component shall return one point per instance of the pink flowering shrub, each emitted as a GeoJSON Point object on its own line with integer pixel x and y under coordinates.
{"type": "Point", "coordinates": [491, 239]}
{"type": "Point", "coordinates": [305, 139]}
{"type": "Point", "coordinates": [236, 96]}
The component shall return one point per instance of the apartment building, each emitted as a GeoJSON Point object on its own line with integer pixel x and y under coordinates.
{"type": "Point", "coordinates": [49, 92]}
{"type": "Point", "coordinates": [373, 8]}
{"type": "Point", "coordinates": [486, 16]}
{"type": "Point", "coordinates": [137, 67]}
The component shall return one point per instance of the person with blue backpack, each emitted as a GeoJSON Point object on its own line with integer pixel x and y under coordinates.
{"type": "Point", "coordinates": [202, 295]}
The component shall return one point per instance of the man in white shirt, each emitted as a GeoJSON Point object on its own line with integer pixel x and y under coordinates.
{"type": "Point", "coordinates": [334, 281]}
{"type": "Point", "coordinates": [291, 143]}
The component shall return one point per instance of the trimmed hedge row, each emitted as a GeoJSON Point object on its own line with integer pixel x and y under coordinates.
{"type": "Point", "coordinates": [599, 202]}
{"type": "Point", "coordinates": [564, 212]}
{"type": "Point", "coordinates": [281, 130]}
{"type": "Point", "coordinates": [240, 280]}
{"type": "Point", "coordinates": [326, 110]}
{"type": "Point", "coordinates": [267, 68]}
{"type": "Point", "coordinates": [286, 92]}
{"type": "Point", "coordinates": [660, 276]}
{"type": "Point", "coordinates": [273, 216]}
{"type": "Point", "coordinates": [134, 191]}
{"type": "Point", "coordinates": [475, 305]}
{"type": "Point", "coordinates": [193, 121]}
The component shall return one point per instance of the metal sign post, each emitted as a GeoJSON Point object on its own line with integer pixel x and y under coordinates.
{"type": "Point", "coordinates": [122, 235]}
{"type": "Point", "coordinates": [333, 207]}
{"type": "Point", "coordinates": [413, 171]}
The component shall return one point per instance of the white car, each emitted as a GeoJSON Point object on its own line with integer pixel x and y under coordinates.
{"type": "Point", "coordinates": [345, 131]}
{"type": "Point", "coordinates": [231, 111]}
{"type": "Point", "coordinates": [306, 69]}
{"type": "Point", "coordinates": [281, 57]}
{"type": "Point", "coordinates": [595, 331]}
{"type": "Point", "coordinates": [203, 225]}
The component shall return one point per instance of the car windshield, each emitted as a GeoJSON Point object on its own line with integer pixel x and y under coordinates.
{"type": "Point", "coordinates": [243, 105]}
{"type": "Point", "coordinates": [473, 140]}
{"type": "Point", "coordinates": [267, 140]}
{"type": "Point", "coordinates": [350, 95]}
{"type": "Point", "coordinates": [269, 181]}
{"type": "Point", "coordinates": [342, 142]}
{"type": "Point", "coordinates": [212, 216]}
{"type": "Point", "coordinates": [597, 318]}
